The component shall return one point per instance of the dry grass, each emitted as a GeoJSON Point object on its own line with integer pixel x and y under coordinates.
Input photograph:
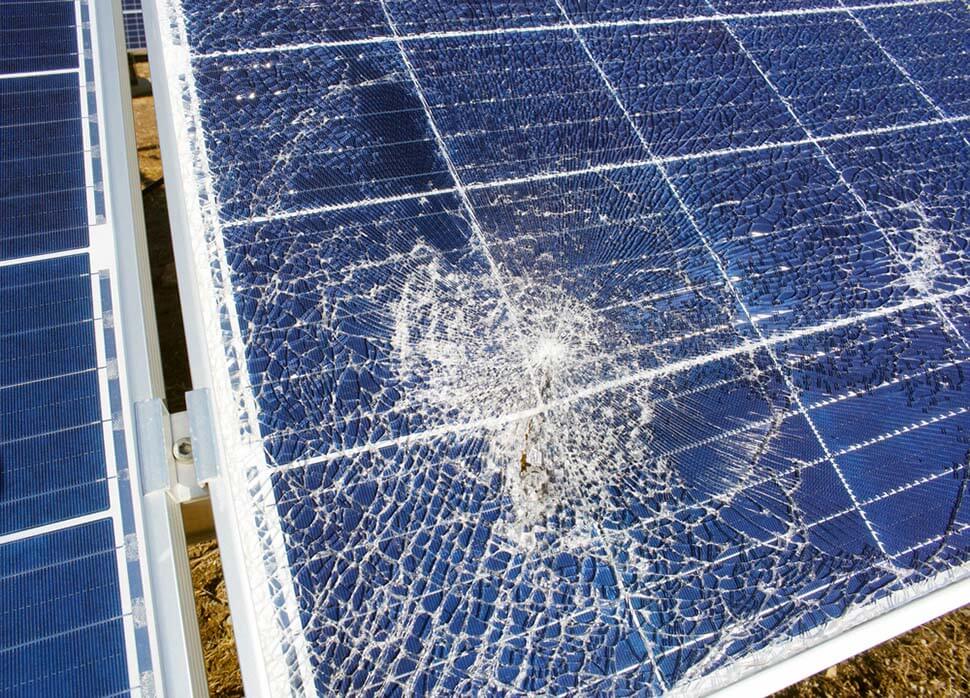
{"type": "Point", "coordinates": [933, 660]}
{"type": "Point", "coordinates": [215, 624]}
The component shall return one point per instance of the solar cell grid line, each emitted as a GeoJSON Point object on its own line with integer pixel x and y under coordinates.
{"type": "Point", "coordinates": [382, 493]}
{"type": "Point", "coordinates": [669, 518]}
{"type": "Point", "coordinates": [644, 376]}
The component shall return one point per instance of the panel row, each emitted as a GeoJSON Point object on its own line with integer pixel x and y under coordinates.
{"type": "Point", "coordinates": [245, 25]}
{"type": "Point", "coordinates": [326, 127]}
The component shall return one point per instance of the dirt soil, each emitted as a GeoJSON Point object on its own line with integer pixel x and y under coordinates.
{"type": "Point", "coordinates": [215, 625]}
{"type": "Point", "coordinates": [932, 660]}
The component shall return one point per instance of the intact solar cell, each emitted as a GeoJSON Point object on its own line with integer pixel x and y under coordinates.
{"type": "Point", "coordinates": [42, 186]}
{"type": "Point", "coordinates": [37, 35]}
{"type": "Point", "coordinates": [580, 347]}
{"type": "Point", "coordinates": [50, 418]}
{"type": "Point", "coordinates": [134, 23]}
{"type": "Point", "coordinates": [72, 603]}
{"type": "Point", "coordinates": [61, 601]}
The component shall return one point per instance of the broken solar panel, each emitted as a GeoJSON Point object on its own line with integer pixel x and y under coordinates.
{"type": "Point", "coordinates": [580, 346]}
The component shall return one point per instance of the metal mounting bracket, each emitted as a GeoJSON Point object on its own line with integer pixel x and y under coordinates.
{"type": "Point", "coordinates": [178, 452]}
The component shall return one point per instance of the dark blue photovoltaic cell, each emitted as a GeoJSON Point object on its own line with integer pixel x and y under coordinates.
{"type": "Point", "coordinates": [836, 80]}
{"type": "Point", "coordinates": [60, 616]}
{"type": "Point", "coordinates": [305, 411]}
{"type": "Point", "coordinates": [51, 437]}
{"type": "Point", "coordinates": [568, 230]}
{"type": "Point", "coordinates": [932, 45]}
{"type": "Point", "coordinates": [135, 31]}
{"type": "Point", "coordinates": [691, 88]}
{"type": "Point", "coordinates": [484, 89]}
{"type": "Point", "coordinates": [43, 205]}
{"type": "Point", "coordinates": [706, 273]}
{"type": "Point", "coordinates": [38, 348]}
{"type": "Point", "coordinates": [378, 141]}
{"type": "Point", "coordinates": [37, 35]}
{"type": "Point", "coordinates": [915, 184]}
{"type": "Point", "coordinates": [801, 247]}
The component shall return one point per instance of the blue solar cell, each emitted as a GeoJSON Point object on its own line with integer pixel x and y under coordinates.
{"type": "Point", "coordinates": [922, 513]}
{"type": "Point", "coordinates": [37, 36]}
{"type": "Point", "coordinates": [48, 293]}
{"type": "Point", "coordinates": [60, 605]}
{"type": "Point", "coordinates": [39, 346]}
{"type": "Point", "coordinates": [232, 25]}
{"type": "Point", "coordinates": [591, 235]}
{"type": "Point", "coordinates": [51, 437]}
{"type": "Point", "coordinates": [52, 477]}
{"type": "Point", "coordinates": [593, 347]}
{"type": "Point", "coordinates": [305, 411]}
{"type": "Point", "coordinates": [623, 11]}
{"type": "Point", "coordinates": [42, 186]}
{"type": "Point", "coordinates": [48, 406]}
{"type": "Point", "coordinates": [801, 247]}
{"type": "Point", "coordinates": [690, 88]}
{"type": "Point", "coordinates": [378, 142]}
{"type": "Point", "coordinates": [913, 183]}
{"type": "Point", "coordinates": [931, 46]}
{"type": "Point", "coordinates": [834, 76]}
{"type": "Point", "coordinates": [47, 352]}
{"type": "Point", "coordinates": [483, 90]}
{"type": "Point", "coordinates": [39, 101]}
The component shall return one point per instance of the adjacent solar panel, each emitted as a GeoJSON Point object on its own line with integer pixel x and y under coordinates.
{"type": "Point", "coordinates": [578, 347]}
{"type": "Point", "coordinates": [134, 25]}
{"type": "Point", "coordinates": [73, 612]}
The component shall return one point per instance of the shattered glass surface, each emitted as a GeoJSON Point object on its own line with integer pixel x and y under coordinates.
{"type": "Point", "coordinates": [583, 345]}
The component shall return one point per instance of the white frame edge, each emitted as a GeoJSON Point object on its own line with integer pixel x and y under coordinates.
{"type": "Point", "coordinates": [862, 633]}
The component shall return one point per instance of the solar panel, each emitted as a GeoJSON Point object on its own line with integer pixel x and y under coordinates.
{"type": "Point", "coordinates": [134, 25]}
{"type": "Point", "coordinates": [74, 614]}
{"type": "Point", "coordinates": [576, 346]}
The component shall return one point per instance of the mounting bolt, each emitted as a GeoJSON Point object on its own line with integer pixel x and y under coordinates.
{"type": "Point", "coordinates": [182, 450]}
